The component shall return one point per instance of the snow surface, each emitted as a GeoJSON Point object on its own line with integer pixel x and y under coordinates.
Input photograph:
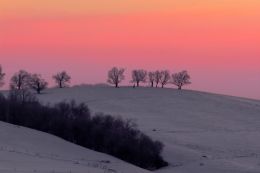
{"type": "Point", "coordinates": [24, 150]}
{"type": "Point", "coordinates": [202, 132]}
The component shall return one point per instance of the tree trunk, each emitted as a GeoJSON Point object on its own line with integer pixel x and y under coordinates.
{"type": "Point", "coordinates": [117, 85]}
{"type": "Point", "coordinates": [137, 84]}
{"type": "Point", "coordinates": [179, 87]}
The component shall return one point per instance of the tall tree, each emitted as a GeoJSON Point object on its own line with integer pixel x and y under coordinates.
{"type": "Point", "coordinates": [139, 76]}
{"type": "Point", "coordinates": [116, 76]}
{"type": "Point", "coordinates": [62, 79]}
{"type": "Point", "coordinates": [2, 75]}
{"type": "Point", "coordinates": [158, 77]}
{"type": "Point", "coordinates": [180, 79]}
{"type": "Point", "coordinates": [37, 83]}
{"type": "Point", "coordinates": [165, 77]}
{"type": "Point", "coordinates": [20, 80]}
{"type": "Point", "coordinates": [152, 78]}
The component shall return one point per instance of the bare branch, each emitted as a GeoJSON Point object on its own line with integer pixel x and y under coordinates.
{"type": "Point", "coordinates": [139, 76]}
{"type": "Point", "coordinates": [152, 78]}
{"type": "Point", "coordinates": [37, 83]}
{"type": "Point", "coordinates": [116, 76]}
{"type": "Point", "coordinates": [62, 79]}
{"type": "Point", "coordinates": [180, 79]}
{"type": "Point", "coordinates": [158, 77]}
{"type": "Point", "coordinates": [20, 80]}
{"type": "Point", "coordinates": [165, 77]}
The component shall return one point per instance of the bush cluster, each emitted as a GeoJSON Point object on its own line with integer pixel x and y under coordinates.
{"type": "Point", "coordinates": [73, 122]}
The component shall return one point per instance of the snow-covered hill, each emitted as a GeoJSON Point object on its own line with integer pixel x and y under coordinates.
{"type": "Point", "coordinates": [24, 150]}
{"type": "Point", "coordinates": [202, 132]}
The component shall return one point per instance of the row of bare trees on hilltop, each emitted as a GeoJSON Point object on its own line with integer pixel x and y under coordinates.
{"type": "Point", "coordinates": [154, 78]}
{"type": "Point", "coordinates": [24, 80]}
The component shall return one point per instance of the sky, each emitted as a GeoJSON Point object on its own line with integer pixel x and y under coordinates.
{"type": "Point", "coordinates": [217, 41]}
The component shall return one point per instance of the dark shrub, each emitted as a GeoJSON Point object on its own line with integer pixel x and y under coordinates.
{"type": "Point", "coordinates": [73, 122]}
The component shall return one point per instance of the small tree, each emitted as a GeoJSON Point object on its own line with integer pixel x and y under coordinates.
{"type": "Point", "coordinates": [116, 76]}
{"type": "Point", "coordinates": [37, 83]}
{"type": "Point", "coordinates": [180, 79]}
{"type": "Point", "coordinates": [152, 78]}
{"type": "Point", "coordinates": [20, 80]}
{"type": "Point", "coordinates": [165, 77]}
{"type": "Point", "coordinates": [158, 77]}
{"type": "Point", "coordinates": [62, 79]}
{"type": "Point", "coordinates": [2, 75]}
{"type": "Point", "coordinates": [139, 76]}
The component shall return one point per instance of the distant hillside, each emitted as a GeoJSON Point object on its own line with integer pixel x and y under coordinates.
{"type": "Point", "coordinates": [202, 132]}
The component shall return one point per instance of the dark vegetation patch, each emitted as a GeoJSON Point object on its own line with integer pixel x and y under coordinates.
{"type": "Point", "coordinates": [74, 122]}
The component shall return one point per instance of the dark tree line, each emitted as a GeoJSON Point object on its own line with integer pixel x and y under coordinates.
{"type": "Point", "coordinates": [74, 122]}
{"type": "Point", "coordinates": [154, 78]}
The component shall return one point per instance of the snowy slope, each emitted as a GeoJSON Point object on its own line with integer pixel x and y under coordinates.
{"type": "Point", "coordinates": [24, 150]}
{"type": "Point", "coordinates": [202, 132]}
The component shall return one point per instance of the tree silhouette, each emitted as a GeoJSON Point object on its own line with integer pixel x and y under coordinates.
{"type": "Point", "coordinates": [158, 77]}
{"type": "Point", "coordinates": [75, 123]}
{"type": "Point", "coordinates": [2, 75]}
{"type": "Point", "coordinates": [37, 83]}
{"type": "Point", "coordinates": [139, 76]}
{"type": "Point", "coordinates": [152, 78]}
{"type": "Point", "coordinates": [62, 79]}
{"type": "Point", "coordinates": [115, 76]}
{"type": "Point", "coordinates": [20, 80]}
{"type": "Point", "coordinates": [165, 77]}
{"type": "Point", "coordinates": [180, 79]}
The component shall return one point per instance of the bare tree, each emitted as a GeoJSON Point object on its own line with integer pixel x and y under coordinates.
{"type": "Point", "coordinates": [2, 75]}
{"type": "Point", "coordinates": [139, 76]}
{"type": "Point", "coordinates": [158, 77]}
{"type": "Point", "coordinates": [165, 77]}
{"type": "Point", "coordinates": [37, 83]}
{"type": "Point", "coordinates": [20, 80]}
{"type": "Point", "coordinates": [62, 79]}
{"type": "Point", "coordinates": [152, 78]}
{"type": "Point", "coordinates": [116, 76]}
{"type": "Point", "coordinates": [180, 79]}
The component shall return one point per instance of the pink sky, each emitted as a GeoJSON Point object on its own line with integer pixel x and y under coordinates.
{"type": "Point", "coordinates": [217, 41]}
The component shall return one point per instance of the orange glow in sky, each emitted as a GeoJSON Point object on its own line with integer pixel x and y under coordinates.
{"type": "Point", "coordinates": [217, 41]}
